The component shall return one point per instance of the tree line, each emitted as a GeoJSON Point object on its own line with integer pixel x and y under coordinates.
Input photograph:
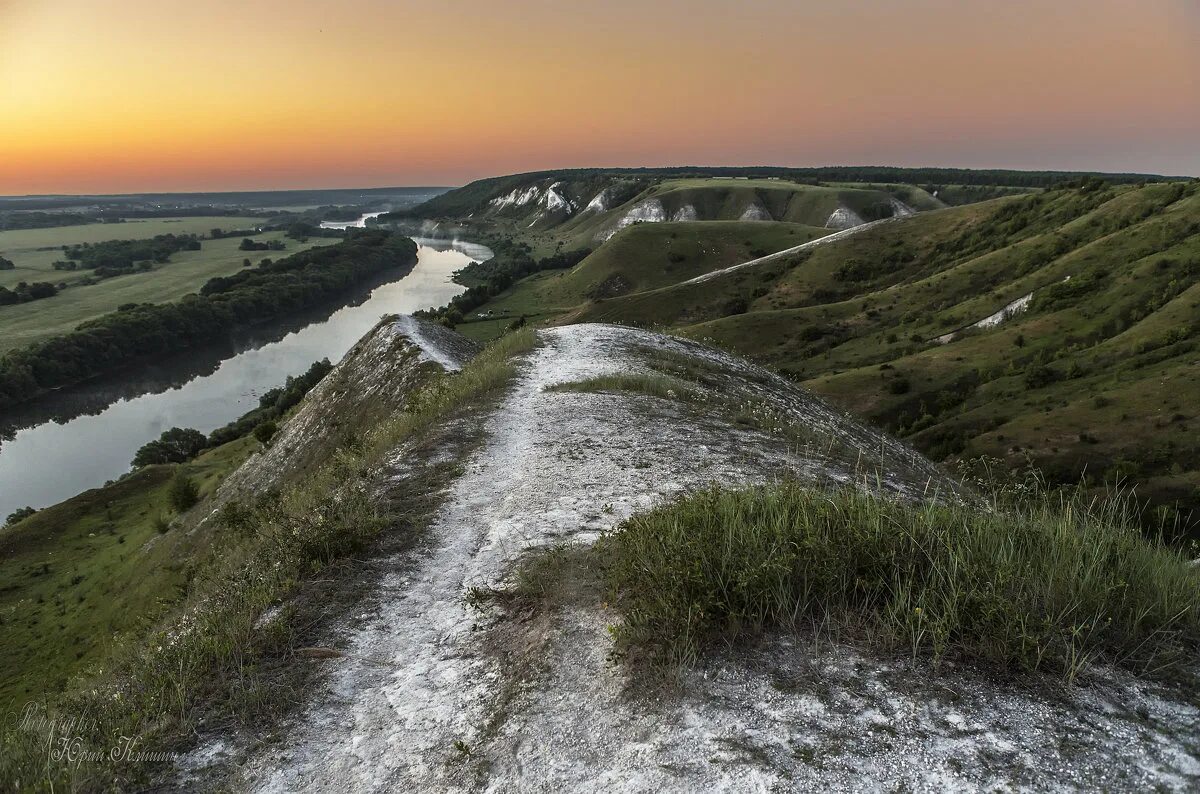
{"type": "Point", "coordinates": [114, 257]}
{"type": "Point", "coordinates": [181, 444]}
{"type": "Point", "coordinates": [137, 332]}
{"type": "Point", "coordinates": [26, 292]}
{"type": "Point", "coordinates": [511, 264]}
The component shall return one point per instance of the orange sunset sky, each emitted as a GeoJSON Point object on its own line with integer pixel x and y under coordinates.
{"type": "Point", "coordinates": [138, 95]}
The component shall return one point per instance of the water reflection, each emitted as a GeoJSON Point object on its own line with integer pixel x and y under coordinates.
{"type": "Point", "coordinates": [79, 438]}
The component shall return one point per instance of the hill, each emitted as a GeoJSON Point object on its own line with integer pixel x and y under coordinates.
{"type": "Point", "coordinates": [1058, 327]}
{"type": "Point", "coordinates": [473, 198]}
{"type": "Point", "coordinates": [595, 552]}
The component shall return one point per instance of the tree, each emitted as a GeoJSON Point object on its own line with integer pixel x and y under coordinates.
{"type": "Point", "coordinates": [19, 515]}
{"type": "Point", "coordinates": [177, 445]}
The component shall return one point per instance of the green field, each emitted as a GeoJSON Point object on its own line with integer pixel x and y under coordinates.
{"type": "Point", "coordinates": [34, 250]}
{"type": "Point", "coordinates": [77, 574]}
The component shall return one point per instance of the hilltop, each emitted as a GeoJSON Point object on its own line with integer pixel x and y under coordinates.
{"type": "Point", "coordinates": [451, 569]}
{"type": "Point", "coordinates": [1056, 327]}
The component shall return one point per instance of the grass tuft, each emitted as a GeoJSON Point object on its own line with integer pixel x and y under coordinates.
{"type": "Point", "coordinates": [1051, 583]}
{"type": "Point", "coordinates": [654, 385]}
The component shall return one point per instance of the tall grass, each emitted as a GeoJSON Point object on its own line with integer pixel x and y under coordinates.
{"type": "Point", "coordinates": [1051, 582]}
{"type": "Point", "coordinates": [654, 385]}
{"type": "Point", "coordinates": [208, 660]}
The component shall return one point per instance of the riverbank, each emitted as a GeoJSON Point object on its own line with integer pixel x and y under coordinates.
{"type": "Point", "coordinates": [87, 435]}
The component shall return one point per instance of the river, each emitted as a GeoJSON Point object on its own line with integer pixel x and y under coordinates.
{"type": "Point", "coordinates": [361, 223]}
{"type": "Point", "coordinates": [80, 438]}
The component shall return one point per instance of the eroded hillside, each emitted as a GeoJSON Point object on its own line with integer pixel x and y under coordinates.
{"type": "Point", "coordinates": [1058, 328]}
{"type": "Point", "coordinates": [436, 679]}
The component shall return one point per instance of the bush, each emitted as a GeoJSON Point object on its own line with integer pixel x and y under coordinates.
{"type": "Point", "coordinates": [899, 385]}
{"type": "Point", "coordinates": [1039, 376]}
{"type": "Point", "coordinates": [1051, 582]}
{"type": "Point", "coordinates": [182, 492]}
{"type": "Point", "coordinates": [266, 431]}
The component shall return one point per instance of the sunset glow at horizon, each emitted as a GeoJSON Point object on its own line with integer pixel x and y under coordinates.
{"type": "Point", "coordinates": [164, 95]}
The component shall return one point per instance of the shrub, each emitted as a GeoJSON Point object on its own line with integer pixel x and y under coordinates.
{"type": "Point", "coordinates": [266, 431]}
{"type": "Point", "coordinates": [1048, 583]}
{"type": "Point", "coordinates": [182, 492]}
{"type": "Point", "coordinates": [735, 306]}
{"type": "Point", "coordinates": [1039, 376]}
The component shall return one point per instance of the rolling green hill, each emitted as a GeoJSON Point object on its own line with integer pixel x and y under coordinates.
{"type": "Point", "coordinates": [1094, 372]}
{"type": "Point", "coordinates": [641, 257]}
{"type": "Point", "coordinates": [956, 185]}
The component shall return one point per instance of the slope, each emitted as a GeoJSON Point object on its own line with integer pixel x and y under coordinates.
{"type": "Point", "coordinates": [1058, 328]}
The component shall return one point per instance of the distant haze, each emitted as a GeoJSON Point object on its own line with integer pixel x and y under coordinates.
{"type": "Point", "coordinates": [140, 95]}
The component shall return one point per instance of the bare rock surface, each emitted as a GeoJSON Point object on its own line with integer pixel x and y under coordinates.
{"type": "Point", "coordinates": [422, 699]}
{"type": "Point", "coordinates": [374, 379]}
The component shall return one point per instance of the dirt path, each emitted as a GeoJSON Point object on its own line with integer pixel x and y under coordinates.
{"type": "Point", "coordinates": [421, 701]}
{"type": "Point", "coordinates": [762, 260]}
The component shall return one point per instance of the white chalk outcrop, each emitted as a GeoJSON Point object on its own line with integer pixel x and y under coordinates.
{"type": "Point", "coordinates": [843, 218]}
{"type": "Point", "coordinates": [518, 197]}
{"type": "Point", "coordinates": [755, 212]}
{"type": "Point", "coordinates": [992, 320]}
{"type": "Point", "coordinates": [646, 211]}
{"type": "Point", "coordinates": [551, 199]}
{"type": "Point", "coordinates": [685, 213]}
{"type": "Point", "coordinates": [557, 202]}
{"type": "Point", "coordinates": [599, 202]}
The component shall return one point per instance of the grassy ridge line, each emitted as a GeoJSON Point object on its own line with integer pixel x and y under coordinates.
{"type": "Point", "coordinates": [636, 260]}
{"type": "Point", "coordinates": [1046, 583]}
{"type": "Point", "coordinates": [204, 661]}
{"type": "Point", "coordinates": [762, 260]}
{"type": "Point", "coordinates": [470, 198]}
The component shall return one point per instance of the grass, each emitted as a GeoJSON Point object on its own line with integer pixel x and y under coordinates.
{"type": "Point", "coordinates": [185, 273]}
{"type": "Point", "coordinates": [80, 574]}
{"type": "Point", "coordinates": [1049, 583]}
{"type": "Point", "coordinates": [206, 660]}
{"type": "Point", "coordinates": [639, 258]}
{"type": "Point", "coordinates": [36, 249]}
{"type": "Point", "coordinates": [854, 321]}
{"type": "Point", "coordinates": [654, 385]}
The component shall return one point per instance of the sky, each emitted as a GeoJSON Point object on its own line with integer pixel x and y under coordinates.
{"type": "Point", "coordinates": [109, 96]}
